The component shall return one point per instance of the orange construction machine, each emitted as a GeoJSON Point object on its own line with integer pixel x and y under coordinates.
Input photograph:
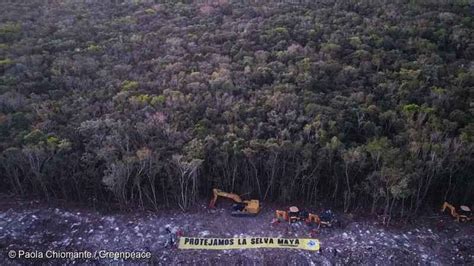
{"type": "Point", "coordinates": [293, 215]}
{"type": "Point", "coordinates": [464, 214]}
{"type": "Point", "coordinates": [240, 207]}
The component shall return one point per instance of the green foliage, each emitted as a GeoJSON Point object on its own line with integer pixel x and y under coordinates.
{"type": "Point", "coordinates": [93, 48]}
{"type": "Point", "coordinates": [426, 109]}
{"type": "Point", "coordinates": [9, 30]}
{"type": "Point", "coordinates": [141, 99]}
{"type": "Point", "coordinates": [287, 102]}
{"type": "Point", "coordinates": [129, 85]}
{"type": "Point", "coordinates": [55, 143]}
{"type": "Point", "coordinates": [127, 20]}
{"type": "Point", "coordinates": [409, 74]}
{"type": "Point", "coordinates": [305, 64]}
{"type": "Point", "coordinates": [361, 54]}
{"type": "Point", "coordinates": [37, 139]}
{"type": "Point", "coordinates": [441, 34]}
{"type": "Point", "coordinates": [201, 128]}
{"type": "Point", "coordinates": [20, 121]}
{"type": "Point", "coordinates": [194, 150]}
{"type": "Point", "coordinates": [279, 31]}
{"type": "Point", "coordinates": [438, 90]}
{"type": "Point", "coordinates": [411, 108]}
{"type": "Point", "coordinates": [158, 100]}
{"type": "Point", "coordinates": [330, 48]}
{"type": "Point", "coordinates": [335, 144]}
{"type": "Point", "coordinates": [52, 140]}
{"type": "Point", "coordinates": [376, 40]}
{"type": "Point", "coordinates": [377, 147]}
{"type": "Point", "coordinates": [311, 108]}
{"type": "Point", "coordinates": [34, 137]}
{"type": "Point", "coordinates": [425, 46]}
{"type": "Point", "coordinates": [6, 62]}
{"type": "Point", "coordinates": [467, 133]}
{"type": "Point", "coordinates": [64, 144]}
{"type": "Point", "coordinates": [150, 11]}
{"type": "Point", "coordinates": [355, 41]}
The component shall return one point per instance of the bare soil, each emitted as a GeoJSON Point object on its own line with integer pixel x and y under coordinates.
{"type": "Point", "coordinates": [33, 226]}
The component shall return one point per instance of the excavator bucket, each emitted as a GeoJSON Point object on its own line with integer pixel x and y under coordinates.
{"type": "Point", "coordinates": [212, 204]}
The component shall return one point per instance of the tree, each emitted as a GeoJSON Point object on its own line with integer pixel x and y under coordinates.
{"type": "Point", "coordinates": [187, 180]}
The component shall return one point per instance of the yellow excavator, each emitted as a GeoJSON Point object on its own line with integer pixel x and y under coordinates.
{"type": "Point", "coordinates": [241, 207]}
{"type": "Point", "coordinates": [464, 215]}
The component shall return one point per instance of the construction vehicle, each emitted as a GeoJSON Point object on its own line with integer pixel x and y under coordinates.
{"type": "Point", "coordinates": [464, 214]}
{"type": "Point", "coordinates": [240, 207]}
{"type": "Point", "coordinates": [293, 215]}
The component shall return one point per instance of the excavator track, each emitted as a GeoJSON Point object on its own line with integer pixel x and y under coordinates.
{"type": "Point", "coordinates": [243, 214]}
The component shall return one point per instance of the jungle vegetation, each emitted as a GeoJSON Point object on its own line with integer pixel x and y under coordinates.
{"type": "Point", "coordinates": [153, 103]}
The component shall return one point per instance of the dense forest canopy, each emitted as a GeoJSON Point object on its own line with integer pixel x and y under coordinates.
{"type": "Point", "coordinates": [359, 104]}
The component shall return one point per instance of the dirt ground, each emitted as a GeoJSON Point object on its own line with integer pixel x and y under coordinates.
{"type": "Point", "coordinates": [35, 226]}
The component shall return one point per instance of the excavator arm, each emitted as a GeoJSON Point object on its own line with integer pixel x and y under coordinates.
{"type": "Point", "coordinates": [455, 214]}
{"type": "Point", "coordinates": [219, 193]}
{"type": "Point", "coordinates": [451, 209]}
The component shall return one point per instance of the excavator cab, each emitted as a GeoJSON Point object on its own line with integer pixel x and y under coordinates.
{"type": "Point", "coordinates": [252, 206]}
{"type": "Point", "coordinates": [464, 210]}
{"type": "Point", "coordinates": [238, 207]}
{"type": "Point", "coordinates": [294, 214]}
